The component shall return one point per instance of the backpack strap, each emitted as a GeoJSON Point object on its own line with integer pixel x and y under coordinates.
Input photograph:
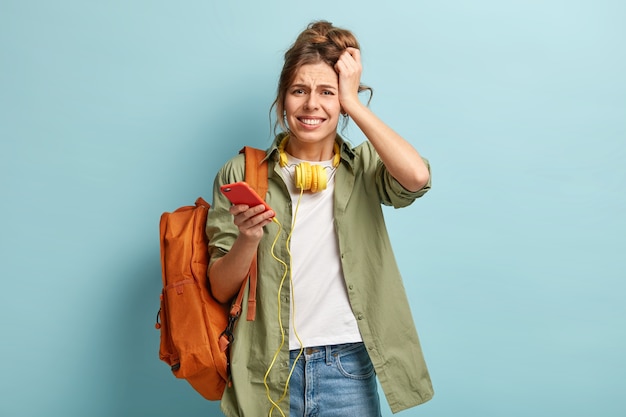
{"type": "Point", "coordinates": [256, 169]}
{"type": "Point", "coordinates": [227, 337]}
{"type": "Point", "coordinates": [256, 177]}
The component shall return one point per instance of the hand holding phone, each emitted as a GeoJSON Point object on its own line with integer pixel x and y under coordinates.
{"type": "Point", "coordinates": [242, 193]}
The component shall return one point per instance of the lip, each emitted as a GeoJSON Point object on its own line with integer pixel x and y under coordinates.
{"type": "Point", "coordinates": [319, 121]}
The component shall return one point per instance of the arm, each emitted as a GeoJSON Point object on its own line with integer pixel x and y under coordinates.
{"type": "Point", "coordinates": [228, 272]}
{"type": "Point", "coordinates": [402, 160]}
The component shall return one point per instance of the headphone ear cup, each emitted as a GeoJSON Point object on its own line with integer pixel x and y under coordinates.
{"type": "Point", "coordinates": [303, 176]}
{"type": "Point", "coordinates": [314, 179]}
{"type": "Point", "coordinates": [320, 179]}
{"type": "Point", "coordinates": [298, 176]}
{"type": "Point", "coordinates": [307, 177]}
{"type": "Point", "coordinates": [310, 177]}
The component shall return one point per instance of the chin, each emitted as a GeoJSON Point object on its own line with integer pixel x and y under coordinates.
{"type": "Point", "coordinates": [314, 138]}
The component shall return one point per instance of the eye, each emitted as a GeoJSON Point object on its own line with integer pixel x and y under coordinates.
{"type": "Point", "coordinates": [328, 93]}
{"type": "Point", "coordinates": [297, 91]}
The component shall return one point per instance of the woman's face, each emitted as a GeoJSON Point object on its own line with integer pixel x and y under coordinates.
{"type": "Point", "coordinates": [312, 106]}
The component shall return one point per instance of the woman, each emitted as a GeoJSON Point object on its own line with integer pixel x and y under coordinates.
{"type": "Point", "coordinates": [332, 313]}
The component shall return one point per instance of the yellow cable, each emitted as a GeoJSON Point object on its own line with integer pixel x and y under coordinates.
{"type": "Point", "coordinates": [275, 404]}
{"type": "Point", "coordinates": [280, 324]}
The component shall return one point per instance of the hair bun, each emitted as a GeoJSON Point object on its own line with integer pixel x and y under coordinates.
{"type": "Point", "coordinates": [318, 39]}
{"type": "Point", "coordinates": [322, 32]}
{"type": "Point", "coordinates": [321, 27]}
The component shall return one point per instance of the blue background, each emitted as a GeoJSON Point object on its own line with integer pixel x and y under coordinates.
{"type": "Point", "coordinates": [112, 112]}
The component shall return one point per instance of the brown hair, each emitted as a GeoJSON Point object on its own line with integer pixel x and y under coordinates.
{"type": "Point", "coordinates": [319, 42]}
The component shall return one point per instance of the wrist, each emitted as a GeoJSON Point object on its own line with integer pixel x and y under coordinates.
{"type": "Point", "coordinates": [352, 105]}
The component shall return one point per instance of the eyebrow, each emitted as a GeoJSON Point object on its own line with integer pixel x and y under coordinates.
{"type": "Point", "coordinates": [323, 86]}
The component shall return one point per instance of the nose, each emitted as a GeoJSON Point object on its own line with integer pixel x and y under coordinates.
{"type": "Point", "coordinates": [311, 102]}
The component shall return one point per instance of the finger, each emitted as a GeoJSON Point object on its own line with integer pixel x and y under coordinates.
{"type": "Point", "coordinates": [255, 219]}
{"type": "Point", "coordinates": [345, 58]}
{"type": "Point", "coordinates": [354, 53]}
{"type": "Point", "coordinates": [350, 63]}
{"type": "Point", "coordinates": [345, 65]}
{"type": "Point", "coordinates": [263, 218]}
{"type": "Point", "coordinates": [266, 222]}
{"type": "Point", "coordinates": [253, 211]}
{"type": "Point", "coordinates": [238, 209]}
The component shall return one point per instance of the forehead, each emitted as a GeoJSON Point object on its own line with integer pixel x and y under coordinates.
{"type": "Point", "coordinates": [313, 74]}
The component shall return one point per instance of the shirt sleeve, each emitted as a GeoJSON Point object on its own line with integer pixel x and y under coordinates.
{"type": "Point", "coordinates": [220, 229]}
{"type": "Point", "coordinates": [391, 192]}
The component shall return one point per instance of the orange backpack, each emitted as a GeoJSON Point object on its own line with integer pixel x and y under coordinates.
{"type": "Point", "coordinates": [195, 328]}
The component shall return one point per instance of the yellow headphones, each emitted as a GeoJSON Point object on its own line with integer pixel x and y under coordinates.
{"type": "Point", "coordinates": [308, 177]}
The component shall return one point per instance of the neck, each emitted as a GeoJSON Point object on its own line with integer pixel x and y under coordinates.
{"type": "Point", "coordinates": [309, 151]}
{"type": "Point", "coordinates": [314, 152]}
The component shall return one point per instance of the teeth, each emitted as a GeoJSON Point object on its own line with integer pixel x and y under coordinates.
{"type": "Point", "coordinates": [311, 121]}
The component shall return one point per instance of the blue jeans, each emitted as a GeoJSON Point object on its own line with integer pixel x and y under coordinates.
{"type": "Point", "coordinates": [335, 381]}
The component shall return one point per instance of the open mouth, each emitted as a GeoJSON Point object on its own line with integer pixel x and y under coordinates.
{"type": "Point", "coordinates": [310, 121]}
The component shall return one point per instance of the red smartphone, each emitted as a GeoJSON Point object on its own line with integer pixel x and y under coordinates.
{"type": "Point", "coordinates": [242, 193]}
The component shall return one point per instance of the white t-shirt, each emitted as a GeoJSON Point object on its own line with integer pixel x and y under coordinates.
{"type": "Point", "coordinates": [323, 315]}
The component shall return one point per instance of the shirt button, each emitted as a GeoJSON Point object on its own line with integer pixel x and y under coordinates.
{"type": "Point", "coordinates": [359, 316]}
{"type": "Point", "coordinates": [351, 287]}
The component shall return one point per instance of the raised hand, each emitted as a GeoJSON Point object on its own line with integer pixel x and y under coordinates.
{"type": "Point", "coordinates": [349, 68]}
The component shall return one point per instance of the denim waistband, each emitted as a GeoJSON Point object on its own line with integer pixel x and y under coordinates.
{"type": "Point", "coordinates": [314, 352]}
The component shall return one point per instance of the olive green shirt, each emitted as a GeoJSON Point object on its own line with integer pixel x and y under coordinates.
{"type": "Point", "coordinates": [373, 282]}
